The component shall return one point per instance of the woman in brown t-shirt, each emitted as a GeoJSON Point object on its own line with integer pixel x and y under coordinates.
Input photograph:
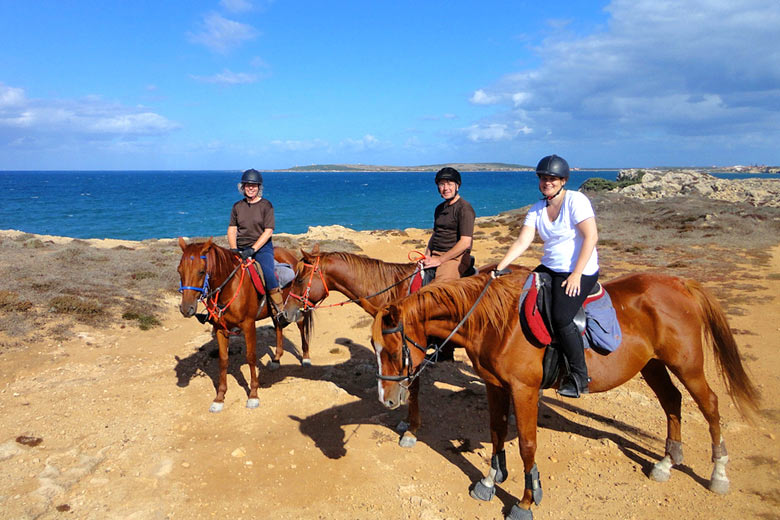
{"type": "Point", "coordinates": [250, 229]}
{"type": "Point", "coordinates": [449, 247]}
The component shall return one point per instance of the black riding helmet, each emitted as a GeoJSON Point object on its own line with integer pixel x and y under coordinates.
{"type": "Point", "coordinates": [448, 174]}
{"type": "Point", "coordinates": [252, 177]}
{"type": "Point", "coordinates": [553, 165]}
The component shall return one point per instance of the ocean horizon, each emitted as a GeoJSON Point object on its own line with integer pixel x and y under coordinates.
{"type": "Point", "coordinates": [140, 205]}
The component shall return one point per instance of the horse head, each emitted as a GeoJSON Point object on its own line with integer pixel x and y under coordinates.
{"type": "Point", "coordinates": [308, 288]}
{"type": "Point", "coordinates": [399, 353]}
{"type": "Point", "coordinates": [193, 274]}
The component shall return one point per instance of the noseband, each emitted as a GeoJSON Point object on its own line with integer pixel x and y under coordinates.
{"type": "Point", "coordinates": [202, 290]}
{"type": "Point", "coordinates": [407, 356]}
{"type": "Point", "coordinates": [304, 298]}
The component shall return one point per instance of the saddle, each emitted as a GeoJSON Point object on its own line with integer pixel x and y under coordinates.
{"type": "Point", "coordinates": [596, 320]}
{"type": "Point", "coordinates": [423, 277]}
{"type": "Point", "coordinates": [284, 275]}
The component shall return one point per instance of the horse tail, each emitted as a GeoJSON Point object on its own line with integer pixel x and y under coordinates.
{"type": "Point", "coordinates": [741, 390]}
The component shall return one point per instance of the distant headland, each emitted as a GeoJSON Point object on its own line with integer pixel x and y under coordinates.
{"type": "Point", "coordinates": [503, 167]}
{"type": "Point", "coordinates": [467, 167]}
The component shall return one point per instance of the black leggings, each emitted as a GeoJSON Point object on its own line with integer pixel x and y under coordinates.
{"type": "Point", "coordinates": [564, 307]}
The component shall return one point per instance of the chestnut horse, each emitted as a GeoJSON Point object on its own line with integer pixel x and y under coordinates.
{"type": "Point", "coordinates": [204, 267]}
{"type": "Point", "coordinates": [663, 320]}
{"type": "Point", "coordinates": [357, 277]}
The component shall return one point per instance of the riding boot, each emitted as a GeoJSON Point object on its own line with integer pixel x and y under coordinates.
{"type": "Point", "coordinates": [571, 345]}
{"type": "Point", "coordinates": [277, 305]}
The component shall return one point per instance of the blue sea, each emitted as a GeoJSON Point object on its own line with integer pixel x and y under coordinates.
{"type": "Point", "coordinates": [139, 205]}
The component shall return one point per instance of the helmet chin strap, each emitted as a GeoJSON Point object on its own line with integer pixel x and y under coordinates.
{"type": "Point", "coordinates": [551, 197]}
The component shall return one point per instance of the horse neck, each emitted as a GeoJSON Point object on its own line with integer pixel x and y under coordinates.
{"type": "Point", "coordinates": [358, 277]}
{"type": "Point", "coordinates": [221, 263]}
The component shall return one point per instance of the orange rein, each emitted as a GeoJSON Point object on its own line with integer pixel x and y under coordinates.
{"type": "Point", "coordinates": [213, 308]}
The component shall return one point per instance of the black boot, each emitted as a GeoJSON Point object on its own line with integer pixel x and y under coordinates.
{"type": "Point", "coordinates": [570, 343]}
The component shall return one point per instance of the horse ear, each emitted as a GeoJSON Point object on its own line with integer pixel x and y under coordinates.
{"type": "Point", "coordinates": [182, 243]}
{"type": "Point", "coordinates": [306, 256]}
{"type": "Point", "coordinates": [316, 249]}
{"type": "Point", "coordinates": [391, 317]}
{"type": "Point", "coordinates": [207, 245]}
{"type": "Point", "coordinates": [368, 307]}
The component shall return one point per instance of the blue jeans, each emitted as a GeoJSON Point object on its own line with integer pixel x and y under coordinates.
{"type": "Point", "coordinates": [265, 257]}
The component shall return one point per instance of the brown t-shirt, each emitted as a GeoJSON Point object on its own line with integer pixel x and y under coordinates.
{"type": "Point", "coordinates": [450, 223]}
{"type": "Point", "coordinates": [251, 220]}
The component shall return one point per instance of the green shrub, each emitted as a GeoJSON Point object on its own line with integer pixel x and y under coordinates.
{"type": "Point", "coordinates": [145, 321]}
{"type": "Point", "coordinates": [68, 304]}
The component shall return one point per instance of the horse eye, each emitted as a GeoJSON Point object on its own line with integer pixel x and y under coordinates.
{"type": "Point", "coordinates": [202, 273]}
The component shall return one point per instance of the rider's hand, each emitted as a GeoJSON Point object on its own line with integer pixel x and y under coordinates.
{"type": "Point", "coordinates": [431, 261]}
{"type": "Point", "coordinates": [572, 285]}
{"type": "Point", "coordinates": [247, 252]}
{"type": "Point", "coordinates": [495, 273]}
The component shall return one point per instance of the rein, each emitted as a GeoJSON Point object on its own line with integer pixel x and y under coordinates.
{"type": "Point", "coordinates": [210, 298]}
{"type": "Point", "coordinates": [309, 305]}
{"type": "Point", "coordinates": [407, 358]}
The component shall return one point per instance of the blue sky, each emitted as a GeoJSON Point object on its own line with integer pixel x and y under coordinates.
{"type": "Point", "coordinates": [233, 84]}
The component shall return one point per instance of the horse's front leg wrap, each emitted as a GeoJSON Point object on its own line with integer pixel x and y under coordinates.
{"type": "Point", "coordinates": [498, 463]}
{"type": "Point", "coordinates": [674, 450]}
{"type": "Point", "coordinates": [485, 489]}
{"type": "Point", "coordinates": [533, 484]}
{"type": "Point", "coordinates": [719, 482]}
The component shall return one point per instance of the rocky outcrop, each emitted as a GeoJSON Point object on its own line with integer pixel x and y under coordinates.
{"type": "Point", "coordinates": [657, 184]}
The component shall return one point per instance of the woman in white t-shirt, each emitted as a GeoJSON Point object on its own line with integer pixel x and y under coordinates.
{"type": "Point", "coordinates": [567, 225]}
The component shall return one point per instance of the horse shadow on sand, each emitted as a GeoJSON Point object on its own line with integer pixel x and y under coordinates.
{"type": "Point", "coordinates": [461, 406]}
{"type": "Point", "coordinates": [461, 418]}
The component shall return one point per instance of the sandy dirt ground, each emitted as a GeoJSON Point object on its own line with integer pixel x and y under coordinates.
{"type": "Point", "coordinates": [124, 429]}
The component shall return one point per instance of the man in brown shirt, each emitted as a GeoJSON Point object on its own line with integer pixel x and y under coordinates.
{"type": "Point", "coordinates": [449, 248]}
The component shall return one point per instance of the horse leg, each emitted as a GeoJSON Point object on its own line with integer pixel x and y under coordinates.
{"type": "Point", "coordinates": [304, 326]}
{"type": "Point", "coordinates": [250, 336]}
{"type": "Point", "coordinates": [657, 377]}
{"type": "Point", "coordinates": [412, 423]}
{"type": "Point", "coordinates": [275, 362]}
{"type": "Point", "coordinates": [498, 403]}
{"type": "Point", "coordinates": [526, 403]}
{"type": "Point", "coordinates": [705, 398]}
{"type": "Point", "coordinates": [219, 400]}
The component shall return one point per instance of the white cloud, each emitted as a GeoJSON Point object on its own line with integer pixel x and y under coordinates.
{"type": "Point", "coordinates": [227, 77]}
{"type": "Point", "coordinates": [23, 118]}
{"type": "Point", "coordinates": [689, 67]}
{"type": "Point", "coordinates": [368, 141]}
{"type": "Point", "coordinates": [236, 6]}
{"type": "Point", "coordinates": [480, 97]}
{"type": "Point", "coordinates": [495, 132]}
{"type": "Point", "coordinates": [221, 35]}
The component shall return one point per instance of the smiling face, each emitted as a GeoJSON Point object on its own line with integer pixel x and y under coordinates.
{"type": "Point", "coordinates": [251, 190]}
{"type": "Point", "coordinates": [448, 189]}
{"type": "Point", "coordinates": [550, 185]}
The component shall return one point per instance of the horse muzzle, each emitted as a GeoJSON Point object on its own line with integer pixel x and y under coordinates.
{"type": "Point", "coordinates": [394, 396]}
{"type": "Point", "coordinates": [188, 309]}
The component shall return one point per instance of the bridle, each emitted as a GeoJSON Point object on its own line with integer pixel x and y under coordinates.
{"type": "Point", "coordinates": [210, 298]}
{"type": "Point", "coordinates": [304, 298]}
{"type": "Point", "coordinates": [406, 352]}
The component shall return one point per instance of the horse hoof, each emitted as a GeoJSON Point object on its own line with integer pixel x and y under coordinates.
{"type": "Point", "coordinates": [518, 513]}
{"type": "Point", "coordinates": [306, 362]}
{"type": "Point", "coordinates": [719, 486]}
{"type": "Point", "coordinates": [402, 427]}
{"type": "Point", "coordinates": [253, 402]}
{"type": "Point", "coordinates": [408, 440]}
{"type": "Point", "coordinates": [482, 492]}
{"type": "Point", "coordinates": [216, 407]}
{"type": "Point", "coordinates": [660, 474]}
{"type": "Point", "coordinates": [274, 365]}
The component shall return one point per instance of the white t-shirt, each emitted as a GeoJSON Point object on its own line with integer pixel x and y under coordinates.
{"type": "Point", "coordinates": [562, 239]}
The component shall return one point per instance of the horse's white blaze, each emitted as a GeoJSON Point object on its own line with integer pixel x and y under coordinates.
{"type": "Point", "coordinates": [381, 391]}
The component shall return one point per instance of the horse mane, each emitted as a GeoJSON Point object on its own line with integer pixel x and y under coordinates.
{"type": "Point", "coordinates": [456, 298]}
{"type": "Point", "coordinates": [371, 274]}
{"type": "Point", "coordinates": [220, 262]}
